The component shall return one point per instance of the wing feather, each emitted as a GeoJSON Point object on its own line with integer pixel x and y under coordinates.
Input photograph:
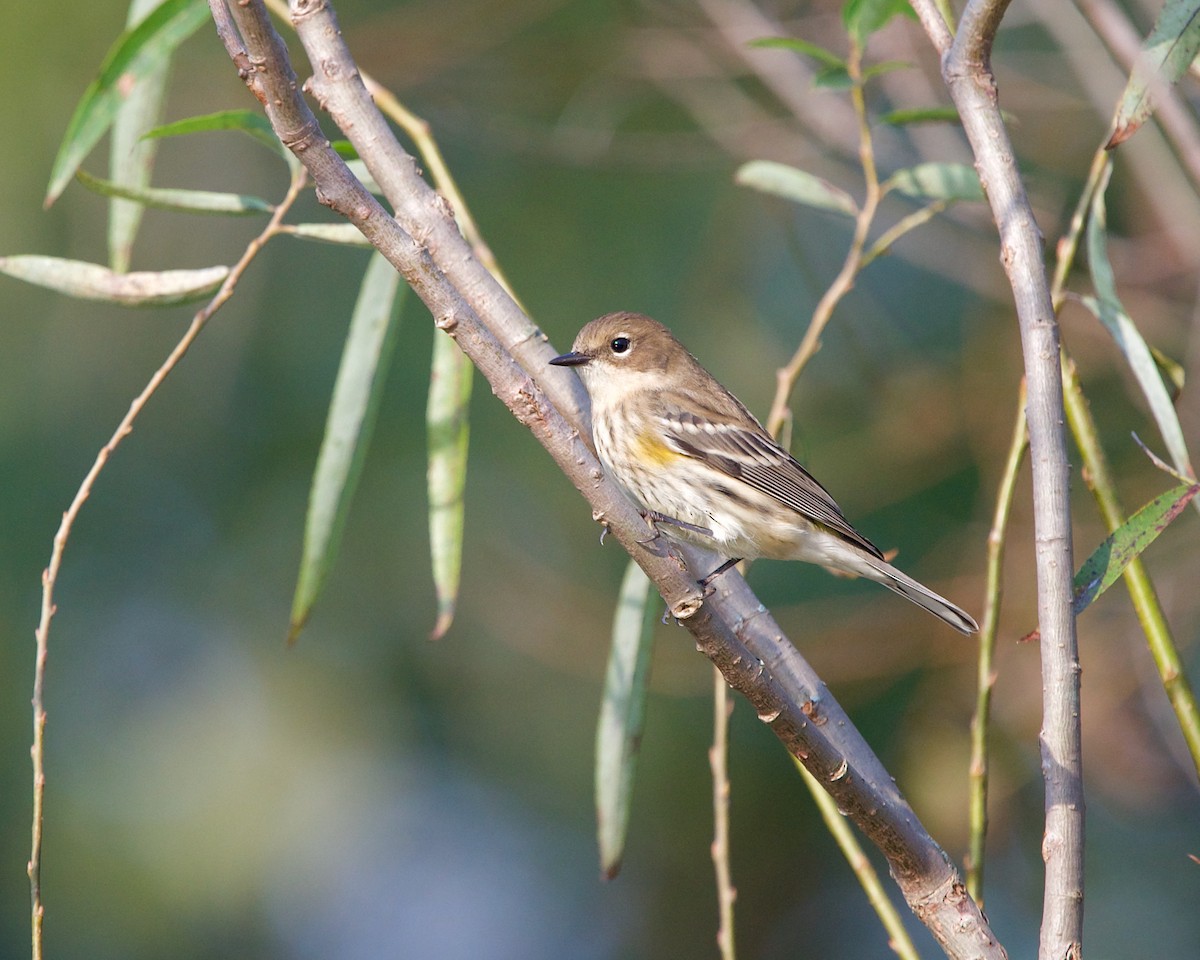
{"type": "Point", "coordinates": [754, 458]}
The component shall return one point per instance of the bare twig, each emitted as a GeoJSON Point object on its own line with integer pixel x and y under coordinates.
{"type": "Point", "coordinates": [967, 72]}
{"type": "Point", "coordinates": [718, 761]}
{"type": "Point", "coordinates": [843, 283]}
{"type": "Point", "coordinates": [50, 574]}
{"type": "Point", "coordinates": [731, 627]}
{"type": "Point", "coordinates": [986, 678]}
{"type": "Point", "coordinates": [868, 877]}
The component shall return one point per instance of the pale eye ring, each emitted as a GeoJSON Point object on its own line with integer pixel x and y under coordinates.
{"type": "Point", "coordinates": [620, 345]}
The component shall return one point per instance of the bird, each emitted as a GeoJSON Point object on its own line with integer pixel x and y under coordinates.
{"type": "Point", "coordinates": [703, 470]}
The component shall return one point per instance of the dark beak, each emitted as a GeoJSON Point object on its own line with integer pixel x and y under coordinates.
{"type": "Point", "coordinates": [571, 360]}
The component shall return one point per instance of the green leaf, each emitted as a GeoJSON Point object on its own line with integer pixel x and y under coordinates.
{"type": "Point", "coordinates": [130, 159]}
{"type": "Point", "coordinates": [1166, 55]}
{"type": "Point", "coordinates": [1172, 370]}
{"type": "Point", "coordinates": [899, 118]}
{"type": "Point", "coordinates": [91, 281]}
{"type": "Point", "coordinates": [183, 201]}
{"type": "Point", "coordinates": [832, 78]}
{"type": "Point", "coordinates": [254, 125]}
{"type": "Point", "coordinates": [447, 426]}
{"type": "Point", "coordinates": [796, 185]}
{"type": "Point", "coordinates": [820, 54]}
{"type": "Point", "coordinates": [351, 419]}
{"type": "Point", "coordinates": [865, 17]}
{"type": "Point", "coordinates": [359, 169]}
{"type": "Point", "coordinates": [1101, 570]}
{"type": "Point", "coordinates": [887, 66]}
{"type": "Point", "coordinates": [937, 181]}
{"type": "Point", "coordinates": [622, 714]}
{"type": "Point", "coordinates": [137, 53]}
{"type": "Point", "coordinates": [341, 233]}
{"type": "Point", "coordinates": [1107, 307]}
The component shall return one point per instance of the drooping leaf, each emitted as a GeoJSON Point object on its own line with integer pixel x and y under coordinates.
{"type": "Point", "coordinates": [131, 159]}
{"type": "Point", "coordinates": [937, 181]}
{"type": "Point", "coordinates": [900, 118]}
{"type": "Point", "coordinates": [1107, 307]}
{"type": "Point", "coordinates": [182, 201]}
{"type": "Point", "coordinates": [796, 185]}
{"type": "Point", "coordinates": [254, 125]}
{"type": "Point", "coordinates": [832, 78]}
{"type": "Point", "coordinates": [865, 17]}
{"type": "Point", "coordinates": [1172, 371]}
{"type": "Point", "coordinates": [820, 54]}
{"type": "Point", "coordinates": [91, 281]}
{"type": "Point", "coordinates": [887, 66]}
{"type": "Point", "coordinates": [341, 233]}
{"type": "Point", "coordinates": [447, 426]}
{"type": "Point", "coordinates": [1109, 560]}
{"type": "Point", "coordinates": [622, 714]}
{"type": "Point", "coordinates": [356, 394]}
{"type": "Point", "coordinates": [138, 52]}
{"type": "Point", "coordinates": [1166, 55]}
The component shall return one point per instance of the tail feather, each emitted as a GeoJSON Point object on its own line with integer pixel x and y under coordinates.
{"type": "Point", "coordinates": [922, 596]}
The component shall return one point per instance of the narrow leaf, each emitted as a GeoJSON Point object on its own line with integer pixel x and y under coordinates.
{"type": "Point", "coordinates": [796, 185]}
{"type": "Point", "coordinates": [622, 714]}
{"type": "Point", "coordinates": [1107, 307]}
{"type": "Point", "coordinates": [254, 125]}
{"type": "Point", "coordinates": [137, 53]}
{"type": "Point", "coordinates": [183, 201]}
{"type": "Point", "coordinates": [937, 181]}
{"type": "Point", "coordinates": [447, 426]}
{"type": "Point", "coordinates": [1166, 55]}
{"type": "Point", "coordinates": [887, 66]}
{"type": "Point", "coordinates": [340, 233]}
{"type": "Point", "coordinates": [90, 281]}
{"type": "Point", "coordinates": [820, 54]}
{"type": "Point", "coordinates": [352, 410]}
{"type": "Point", "coordinates": [1101, 570]}
{"type": "Point", "coordinates": [833, 78]}
{"type": "Point", "coordinates": [130, 159]}
{"type": "Point", "coordinates": [899, 118]}
{"type": "Point", "coordinates": [1172, 370]}
{"type": "Point", "coordinates": [865, 17]}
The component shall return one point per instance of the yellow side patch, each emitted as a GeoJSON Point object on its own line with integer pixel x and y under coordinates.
{"type": "Point", "coordinates": [653, 451]}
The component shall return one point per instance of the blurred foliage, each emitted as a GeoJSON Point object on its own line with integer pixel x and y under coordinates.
{"type": "Point", "coordinates": [371, 793]}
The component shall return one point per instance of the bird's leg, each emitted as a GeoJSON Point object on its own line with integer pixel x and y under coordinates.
{"type": "Point", "coordinates": [653, 517]}
{"type": "Point", "coordinates": [706, 582]}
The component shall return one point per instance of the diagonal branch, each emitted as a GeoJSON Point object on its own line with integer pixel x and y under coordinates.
{"type": "Point", "coordinates": [967, 73]}
{"type": "Point", "coordinates": [730, 627]}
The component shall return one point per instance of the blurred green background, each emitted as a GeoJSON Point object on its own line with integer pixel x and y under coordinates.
{"type": "Point", "coordinates": [369, 793]}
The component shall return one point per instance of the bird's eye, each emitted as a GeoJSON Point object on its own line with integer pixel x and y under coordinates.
{"type": "Point", "coordinates": [620, 345]}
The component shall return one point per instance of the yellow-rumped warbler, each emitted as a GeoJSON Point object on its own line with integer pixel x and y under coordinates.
{"type": "Point", "coordinates": [705, 471]}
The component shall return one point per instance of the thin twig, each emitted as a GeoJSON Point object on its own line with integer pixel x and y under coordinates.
{"type": "Point", "coordinates": [986, 677]}
{"type": "Point", "coordinates": [966, 70]}
{"type": "Point", "coordinates": [868, 876]}
{"type": "Point", "coordinates": [50, 574]}
{"type": "Point", "coordinates": [718, 761]}
{"type": "Point", "coordinates": [843, 283]}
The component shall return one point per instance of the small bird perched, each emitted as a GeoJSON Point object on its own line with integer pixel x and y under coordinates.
{"type": "Point", "coordinates": [705, 471]}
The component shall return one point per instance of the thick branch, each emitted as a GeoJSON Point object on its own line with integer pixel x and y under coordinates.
{"type": "Point", "coordinates": [731, 627]}
{"type": "Point", "coordinates": [967, 74]}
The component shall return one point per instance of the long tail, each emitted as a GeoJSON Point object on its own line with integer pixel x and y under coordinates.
{"type": "Point", "coordinates": [921, 595]}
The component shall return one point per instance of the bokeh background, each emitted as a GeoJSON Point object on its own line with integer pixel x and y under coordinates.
{"type": "Point", "coordinates": [369, 793]}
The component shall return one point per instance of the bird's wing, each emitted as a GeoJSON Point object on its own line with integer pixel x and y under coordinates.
{"type": "Point", "coordinates": [754, 458]}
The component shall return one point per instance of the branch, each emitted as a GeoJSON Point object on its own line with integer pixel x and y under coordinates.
{"type": "Point", "coordinates": [967, 73]}
{"type": "Point", "coordinates": [731, 627]}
